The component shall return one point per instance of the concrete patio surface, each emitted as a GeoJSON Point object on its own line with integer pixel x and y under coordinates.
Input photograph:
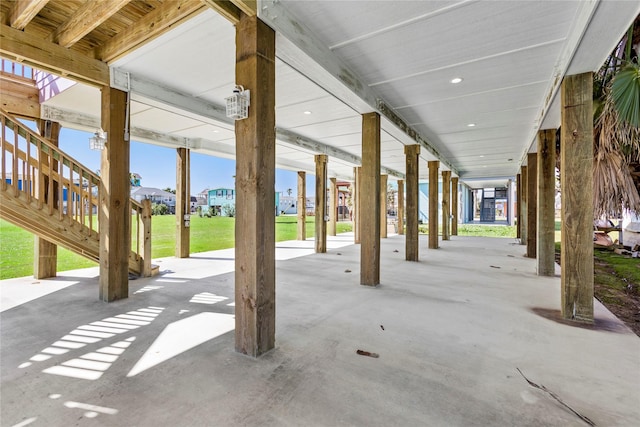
{"type": "Point", "coordinates": [451, 332]}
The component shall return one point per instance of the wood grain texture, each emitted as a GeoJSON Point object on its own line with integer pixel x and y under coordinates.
{"type": "Point", "coordinates": [523, 205]}
{"type": "Point", "coordinates": [401, 209]}
{"type": "Point", "coordinates": [370, 201]}
{"type": "Point", "coordinates": [412, 160]}
{"type": "Point", "coordinates": [302, 206]}
{"type": "Point", "coordinates": [333, 207]}
{"type": "Point", "coordinates": [115, 212]}
{"type": "Point", "coordinates": [532, 204]}
{"type": "Point", "coordinates": [321, 203]}
{"type": "Point", "coordinates": [255, 194]}
{"type": "Point", "coordinates": [85, 19]}
{"type": "Point", "coordinates": [357, 173]}
{"type": "Point", "coordinates": [383, 206]}
{"type": "Point", "coordinates": [518, 205]}
{"type": "Point", "coordinates": [45, 256]}
{"type": "Point", "coordinates": [24, 11]}
{"type": "Point", "coordinates": [546, 202]}
{"type": "Point", "coordinates": [183, 202]}
{"type": "Point", "coordinates": [149, 27]}
{"type": "Point", "coordinates": [44, 55]}
{"type": "Point", "coordinates": [446, 204]}
{"type": "Point", "coordinates": [576, 163]}
{"type": "Point", "coordinates": [454, 206]}
{"type": "Point", "coordinates": [433, 203]}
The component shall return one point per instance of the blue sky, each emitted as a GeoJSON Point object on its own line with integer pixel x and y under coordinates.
{"type": "Point", "coordinates": [157, 165]}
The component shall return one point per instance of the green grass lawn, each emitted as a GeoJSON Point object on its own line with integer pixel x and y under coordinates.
{"type": "Point", "coordinates": [479, 230]}
{"type": "Point", "coordinates": [207, 234]}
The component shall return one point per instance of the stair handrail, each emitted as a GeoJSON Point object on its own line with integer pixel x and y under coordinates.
{"type": "Point", "coordinates": [42, 173]}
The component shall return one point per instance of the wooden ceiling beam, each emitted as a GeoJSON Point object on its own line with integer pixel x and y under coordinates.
{"type": "Point", "coordinates": [24, 11]}
{"type": "Point", "coordinates": [152, 25]}
{"type": "Point", "coordinates": [225, 8]}
{"type": "Point", "coordinates": [249, 7]}
{"type": "Point", "coordinates": [85, 19]}
{"type": "Point", "coordinates": [23, 47]}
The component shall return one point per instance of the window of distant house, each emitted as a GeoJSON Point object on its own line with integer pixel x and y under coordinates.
{"type": "Point", "coordinates": [219, 193]}
{"type": "Point", "coordinates": [230, 194]}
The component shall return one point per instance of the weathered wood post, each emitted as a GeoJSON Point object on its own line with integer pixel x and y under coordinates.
{"type": "Point", "coordinates": [546, 202]}
{"type": "Point", "coordinates": [302, 205]}
{"type": "Point", "coordinates": [183, 202]}
{"type": "Point", "coordinates": [115, 211]}
{"type": "Point", "coordinates": [532, 203]}
{"type": "Point", "coordinates": [576, 157]}
{"type": "Point", "coordinates": [433, 204]}
{"type": "Point", "coordinates": [321, 203]}
{"type": "Point", "coordinates": [412, 154]}
{"type": "Point", "coordinates": [370, 201]}
{"type": "Point", "coordinates": [255, 275]}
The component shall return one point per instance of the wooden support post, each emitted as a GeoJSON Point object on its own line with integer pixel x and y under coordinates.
{"type": "Point", "coordinates": [183, 203]}
{"type": "Point", "coordinates": [383, 206]}
{"type": "Point", "coordinates": [446, 200]}
{"type": "Point", "coordinates": [333, 207]}
{"type": "Point", "coordinates": [370, 201]}
{"type": "Point", "coordinates": [401, 207]}
{"type": "Point", "coordinates": [433, 204]}
{"type": "Point", "coordinates": [321, 203]}
{"type": "Point", "coordinates": [532, 204]}
{"type": "Point", "coordinates": [523, 205]}
{"type": "Point", "coordinates": [412, 155]}
{"type": "Point", "coordinates": [144, 236]}
{"type": "Point", "coordinates": [454, 206]}
{"type": "Point", "coordinates": [546, 202]}
{"type": "Point", "coordinates": [302, 205]}
{"type": "Point", "coordinates": [115, 212]}
{"type": "Point", "coordinates": [356, 203]}
{"type": "Point", "coordinates": [518, 205]}
{"type": "Point", "coordinates": [576, 156]}
{"type": "Point", "coordinates": [45, 255]}
{"type": "Point", "coordinates": [255, 275]}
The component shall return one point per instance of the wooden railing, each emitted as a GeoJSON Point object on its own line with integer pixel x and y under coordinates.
{"type": "Point", "coordinates": [15, 69]}
{"type": "Point", "coordinates": [46, 178]}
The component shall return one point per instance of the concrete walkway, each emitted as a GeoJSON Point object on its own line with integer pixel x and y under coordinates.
{"type": "Point", "coordinates": [451, 332]}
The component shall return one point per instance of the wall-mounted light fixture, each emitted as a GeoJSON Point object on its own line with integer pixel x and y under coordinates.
{"type": "Point", "coordinates": [238, 103]}
{"type": "Point", "coordinates": [98, 140]}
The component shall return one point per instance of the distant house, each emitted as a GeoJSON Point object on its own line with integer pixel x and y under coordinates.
{"type": "Point", "coordinates": [220, 199]}
{"type": "Point", "coordinates": [135, 179]}
{"type": "Point", "coordinates": [156, 195]}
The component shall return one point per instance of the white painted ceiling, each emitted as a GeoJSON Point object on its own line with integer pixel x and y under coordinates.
{"type": "Point", "coordinates": [508, 53]}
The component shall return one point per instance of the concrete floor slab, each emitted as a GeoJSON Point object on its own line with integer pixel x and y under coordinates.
{"type": "Point", "coordinates": [451, 332]}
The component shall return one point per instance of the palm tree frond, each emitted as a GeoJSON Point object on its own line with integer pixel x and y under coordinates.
{"type": "Point", "coordinates": [625, 91]}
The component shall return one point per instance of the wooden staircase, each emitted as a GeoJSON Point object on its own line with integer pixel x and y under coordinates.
{"type": "Point", "coordinates": [47, 192]}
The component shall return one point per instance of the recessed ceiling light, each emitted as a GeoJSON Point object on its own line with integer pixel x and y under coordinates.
{"type": "Point", "coordinates": [216, 131]}
{"type": "Point", "coordinates": [481, 155]}
{"type": "Point", "coordinates": [456, 80]}
{"type": "Point", "coordinates": [307, 112]}
{"type": "Point", "coordinates": [471, 125]}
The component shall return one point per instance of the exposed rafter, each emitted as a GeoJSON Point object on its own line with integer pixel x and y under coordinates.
{"type": "Point", "coordinates": [24, 11]}
{"type": "Point", "coordinates": [19, 46]}
{"type": "Point", "coordinates": [85, 19]}
{"type": "Point", "coordinates": [226, 9]}
{"type": "Point", "coordinates": [152, 25]}
{"type": "Point", "coordinates": [249, 7]}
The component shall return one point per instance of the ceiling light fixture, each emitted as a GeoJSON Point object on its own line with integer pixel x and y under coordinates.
{"type": "Point", "coordinates": [98, 141]}
{"type": "Point", "coordinates": [471, 125]}
{"type": "Point", "coordinates": [307, 112]}
{"type": "Point", "coordinates": [456, 80]}
{"type": "Point", "coordinates": [238, 103]}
